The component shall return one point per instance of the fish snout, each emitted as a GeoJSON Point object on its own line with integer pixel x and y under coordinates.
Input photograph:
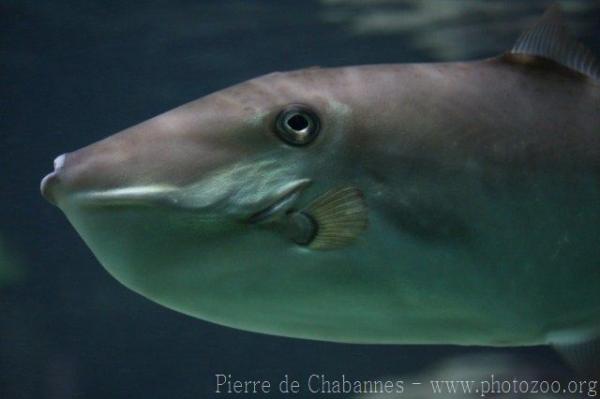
{"type": "Point", "coordinates": [50, 182]}
{"type": "Point", "coordinates": [138, 164]}
{"type": "Point", "coordinates": [132, 168]}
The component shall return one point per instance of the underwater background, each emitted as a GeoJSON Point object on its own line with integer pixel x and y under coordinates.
{"type": "Point", "coordinates": [73, 72]}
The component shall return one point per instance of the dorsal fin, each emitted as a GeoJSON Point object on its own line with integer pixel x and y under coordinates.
{"type": "Point", "coordinates": [548, 38]}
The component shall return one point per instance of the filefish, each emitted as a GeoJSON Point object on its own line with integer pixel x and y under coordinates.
{"type": "Point", "coordinates": [434, 203]}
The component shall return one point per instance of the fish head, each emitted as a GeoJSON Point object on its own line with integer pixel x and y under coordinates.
{"type": "Point", "coordinates": [186, 208]}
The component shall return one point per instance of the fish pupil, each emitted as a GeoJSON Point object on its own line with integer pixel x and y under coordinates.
{"type": "Point", "coordinates": [297, 122]}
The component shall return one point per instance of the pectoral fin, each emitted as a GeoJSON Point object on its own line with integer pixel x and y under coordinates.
{"type": "Point", "coordinates": [332, 221]}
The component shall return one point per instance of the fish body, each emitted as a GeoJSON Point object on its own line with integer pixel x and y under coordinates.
{"type": "Point", "coordinates": [444, 203]}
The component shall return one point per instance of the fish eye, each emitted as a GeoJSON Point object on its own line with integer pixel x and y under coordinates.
{"type": "Point", "coordinates": [297, 125]}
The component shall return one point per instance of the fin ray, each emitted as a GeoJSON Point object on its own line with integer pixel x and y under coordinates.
{"type": "Point", "coordinates": [548, 38]}
{"type": "Point", "coordinates": [341, 215]}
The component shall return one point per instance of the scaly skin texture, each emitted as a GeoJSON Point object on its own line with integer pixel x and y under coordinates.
{"type": "Point", "coordinates": [481, 181]}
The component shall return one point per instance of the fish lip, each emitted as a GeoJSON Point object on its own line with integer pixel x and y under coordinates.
{"type": "Point", "coordinates": [46, 187]}
{"type": "Point", "coordinates": [283, 202]}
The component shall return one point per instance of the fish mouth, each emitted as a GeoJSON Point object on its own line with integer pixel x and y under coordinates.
{"type": "Point", "coordinates": [51, 181]}
{"type": "Point", "coordinates": [282, 204]}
